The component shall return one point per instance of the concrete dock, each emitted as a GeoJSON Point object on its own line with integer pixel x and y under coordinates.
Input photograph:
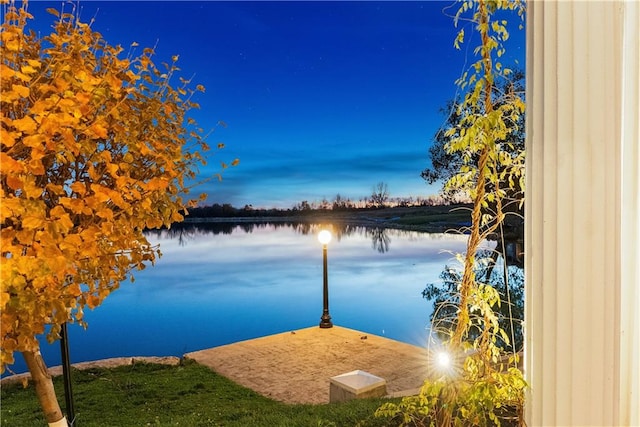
{"type": "Point", "coordinates": [295, 366]}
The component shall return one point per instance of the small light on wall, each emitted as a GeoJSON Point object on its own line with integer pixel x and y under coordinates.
{"type": "Point", "coordinates": [443, 360]}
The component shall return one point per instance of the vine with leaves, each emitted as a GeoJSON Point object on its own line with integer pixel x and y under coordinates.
{"type": "Point", "coordinates": [486, 387]}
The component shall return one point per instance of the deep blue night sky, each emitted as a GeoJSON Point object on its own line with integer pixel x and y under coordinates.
{"type": "Point", "coordinates": [320, 98]}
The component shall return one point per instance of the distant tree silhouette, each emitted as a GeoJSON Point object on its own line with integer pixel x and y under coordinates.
{"type": "Point", "coordinates": [380, 194]}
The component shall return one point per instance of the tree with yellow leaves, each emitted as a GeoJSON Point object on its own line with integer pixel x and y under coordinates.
{"type": "Point", "coordinates": [95, 148]}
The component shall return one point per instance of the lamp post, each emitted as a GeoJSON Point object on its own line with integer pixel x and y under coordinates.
{"type": "Point", "coordinates": [325, 321]}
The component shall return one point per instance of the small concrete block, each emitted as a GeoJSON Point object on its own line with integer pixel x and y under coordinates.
{"type": "Point", "coordinates": [356, 385]}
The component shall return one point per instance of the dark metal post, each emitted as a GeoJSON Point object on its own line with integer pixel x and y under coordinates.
{"type": "Point", "coordinates": [66, 374]}
{"type": "Point", "coordinates": [325, 320]}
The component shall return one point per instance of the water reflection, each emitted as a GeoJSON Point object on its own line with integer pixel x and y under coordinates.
{"type": "Point", "coordinates": [508, 280]}
{"type": "Point", "coordinates": [380, 236]}
{"type": "Point", "coordinates": [379, 239]}
{"type": "Point", "coordinates": [218, 283]}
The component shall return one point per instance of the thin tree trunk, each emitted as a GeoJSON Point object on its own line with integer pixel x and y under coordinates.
{"type": "Point", "coordinates": [44, 389]}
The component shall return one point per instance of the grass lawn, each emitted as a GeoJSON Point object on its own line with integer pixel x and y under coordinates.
{"type": "Point", "coordinates": [186, 395]}
{"type": "Point", "coordinates": [434, 219]}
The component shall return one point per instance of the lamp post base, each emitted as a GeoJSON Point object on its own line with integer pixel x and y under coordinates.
{"type": "Point", "coordinates": [325, 321]}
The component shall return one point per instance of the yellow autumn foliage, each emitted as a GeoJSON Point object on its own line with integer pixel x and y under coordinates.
{"type": "Point", "coordinates": [95, 148]}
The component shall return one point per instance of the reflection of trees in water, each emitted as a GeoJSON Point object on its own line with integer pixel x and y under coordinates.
{"type": "Point", "coordinates": [186, 230]}
{"type": "Point", "coordinates": [379, 239]}
{"type": "Point", "coordinates": [180, 233]}
{"type": "Point", "coordinates": [380, 236]}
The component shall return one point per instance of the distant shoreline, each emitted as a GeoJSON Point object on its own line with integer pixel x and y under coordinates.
{"type": "Point", "coordinates": [431, 219]}
{"type": "Point", "coordinates": [439, 227]}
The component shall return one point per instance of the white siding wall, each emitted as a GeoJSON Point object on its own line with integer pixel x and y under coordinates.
{"type": "Point", "coordinates": [582, 238]}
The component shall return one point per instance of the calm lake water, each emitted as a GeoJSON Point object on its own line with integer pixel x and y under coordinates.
{"type": "Point", "coordinates": [217, 284]}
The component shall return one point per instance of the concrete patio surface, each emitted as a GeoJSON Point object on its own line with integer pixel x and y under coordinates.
{"type": "Point", "coordinates": [295, 366]}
